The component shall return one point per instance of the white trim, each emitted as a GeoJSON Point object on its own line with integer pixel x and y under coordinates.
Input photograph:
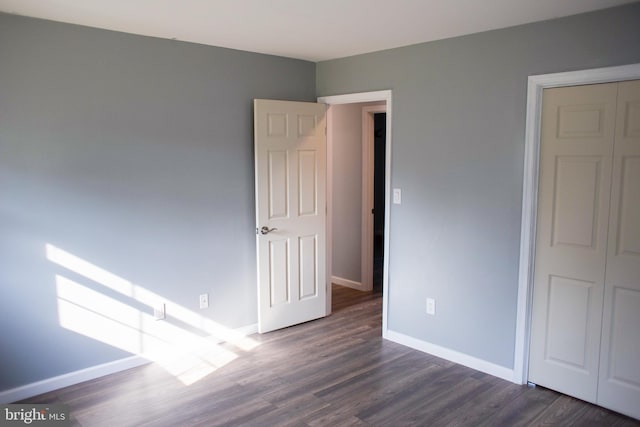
{"type": "Point", "coordinates": [54, 383]}
{"type": "Point", "coordinates": [382, 95]}
{"type": "Point", "coordinates": [452, 355]}
{"type": "Point", "coordinates": [245, 331]}
{"type": "Point", "coordinates": [536, 84]}
{"type": "Point", "coordinates": [348, 283]}
{"type": "Point", "coordinates": [368, 166]}
{"type": "Point", "coordinates": [329, 210]}
{"type": "Point", "coordinates": [93, 372]}
{"type": "Point", "coordinates": [355, 98]}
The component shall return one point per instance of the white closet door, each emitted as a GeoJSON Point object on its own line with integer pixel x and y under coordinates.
{"type": "Point", "coordinates": [577, 138]}
{"type": "Point", "coordinates": [619, 385]}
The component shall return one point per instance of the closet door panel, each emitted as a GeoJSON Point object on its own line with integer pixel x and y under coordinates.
{"type": "Point", "coordinates": [576, 151]}
{"type": "Point", "coordinates": [619, 378]}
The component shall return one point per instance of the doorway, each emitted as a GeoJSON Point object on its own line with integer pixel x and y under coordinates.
{"type": "Point", "coordinates": [358, 224]}
{"type": "Point", "coordinates": [357, 136]}
{"type": "Point", "coordinates": [384, 98]}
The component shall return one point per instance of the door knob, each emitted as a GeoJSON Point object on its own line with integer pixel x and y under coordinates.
{"type": "Point", "coordinates": [267, 230]}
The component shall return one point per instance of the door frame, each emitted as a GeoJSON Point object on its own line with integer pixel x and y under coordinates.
{"type": "Point", "coordinates": [535, 87]}
{"type": "Point", "coordinates": [357, 98]}
{"type": "Point", "coordinates": [368, 166]}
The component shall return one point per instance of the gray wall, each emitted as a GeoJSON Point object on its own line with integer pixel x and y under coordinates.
{"type": "Point", "coordinates": [135, 154]}
{"type": "Point", "coordinates": [458, 143]}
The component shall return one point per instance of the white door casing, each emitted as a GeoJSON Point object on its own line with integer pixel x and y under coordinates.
{"type": "Point", "coordinates": [354, 98]}
{"type": "Point", "coordinates": [573, 210]}
{"type": "Point", "coordinates": [619, 380]}
{"type": "Point", "coordinates": [290, 173]}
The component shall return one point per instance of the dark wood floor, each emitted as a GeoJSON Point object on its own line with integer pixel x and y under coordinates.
{"type": "Point", "coordinates": [335, 371]}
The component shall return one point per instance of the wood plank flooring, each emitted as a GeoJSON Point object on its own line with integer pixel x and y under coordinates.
{"type": "Point", "coordinates": [335, 371]}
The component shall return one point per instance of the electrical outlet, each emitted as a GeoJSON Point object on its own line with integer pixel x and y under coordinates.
{"type": "Point", "coordinates": [397, 196]}
{"type": "Point", "coordinates": [431, 306]}
{"type": "Point", "coordinates": [159, 312]}
{"type": "Point", "coordinates": [204, 300]}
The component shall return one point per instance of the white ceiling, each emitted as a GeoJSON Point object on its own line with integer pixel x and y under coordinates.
{"type": "Point", "coordinates": [304, 29]}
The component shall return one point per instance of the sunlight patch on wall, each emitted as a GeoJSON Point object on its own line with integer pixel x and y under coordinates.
{"type": "Point", "coordinates": [187, 355]}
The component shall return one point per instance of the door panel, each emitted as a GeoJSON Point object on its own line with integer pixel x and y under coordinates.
{"type": "Point", "coordinates": [619, 386]}
{"type": "Point", "coordinates": [290, 156]}
{"type": "Point", "coordinates": [576, 150]}
{"type": "Point", "coordinates": [278, 178]}
{"type": "Point", "coordinates": [581, 121]}
{"type": "Point", "coordinates": [628, 226]}
{"type": "Point", "coordinates": [307, 183]}
{"type": "Point", "coordinates": [278, 272]}
{"type": "Point", "coordinates": [575, 204]}
{"type": "Point", "coordinates": [625, 336]}
{"type": "Point", "coordinates": [570, 311]}
{"type": "Point", "coordinates": [308, 274]}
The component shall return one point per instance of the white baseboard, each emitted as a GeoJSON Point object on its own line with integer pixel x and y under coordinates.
{"type": "Point", "coordinates": [452, 355]}
{"type": "Point", "coordinates": [71, 378]}
{"type": "Point", "coordinates": [247, 330]}
{"type": "Point", "coordinates": [54, 383]}
{"type": "Point", "coordinates": [348, 283]}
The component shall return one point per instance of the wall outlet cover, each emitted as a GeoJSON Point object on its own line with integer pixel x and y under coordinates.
{"type": "Point", "coordinates": [431, 306]}
{"type": "Point", "coordinates": [397, 196]}
{"type": "Point", "coordinates": [204, 300]}
{"type": "Point", "coordinates": [159, 312]}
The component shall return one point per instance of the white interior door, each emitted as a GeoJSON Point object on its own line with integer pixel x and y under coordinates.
{"type": "Point", "coordinates": [571, 240]}
{"type": "Point", "coordinates": [619, 385]}
{"type": "Point", "coordinates": [290, 171]}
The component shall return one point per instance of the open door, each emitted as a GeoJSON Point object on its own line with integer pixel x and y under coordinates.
{"type": "Point", "coordinates": [290, 173]}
